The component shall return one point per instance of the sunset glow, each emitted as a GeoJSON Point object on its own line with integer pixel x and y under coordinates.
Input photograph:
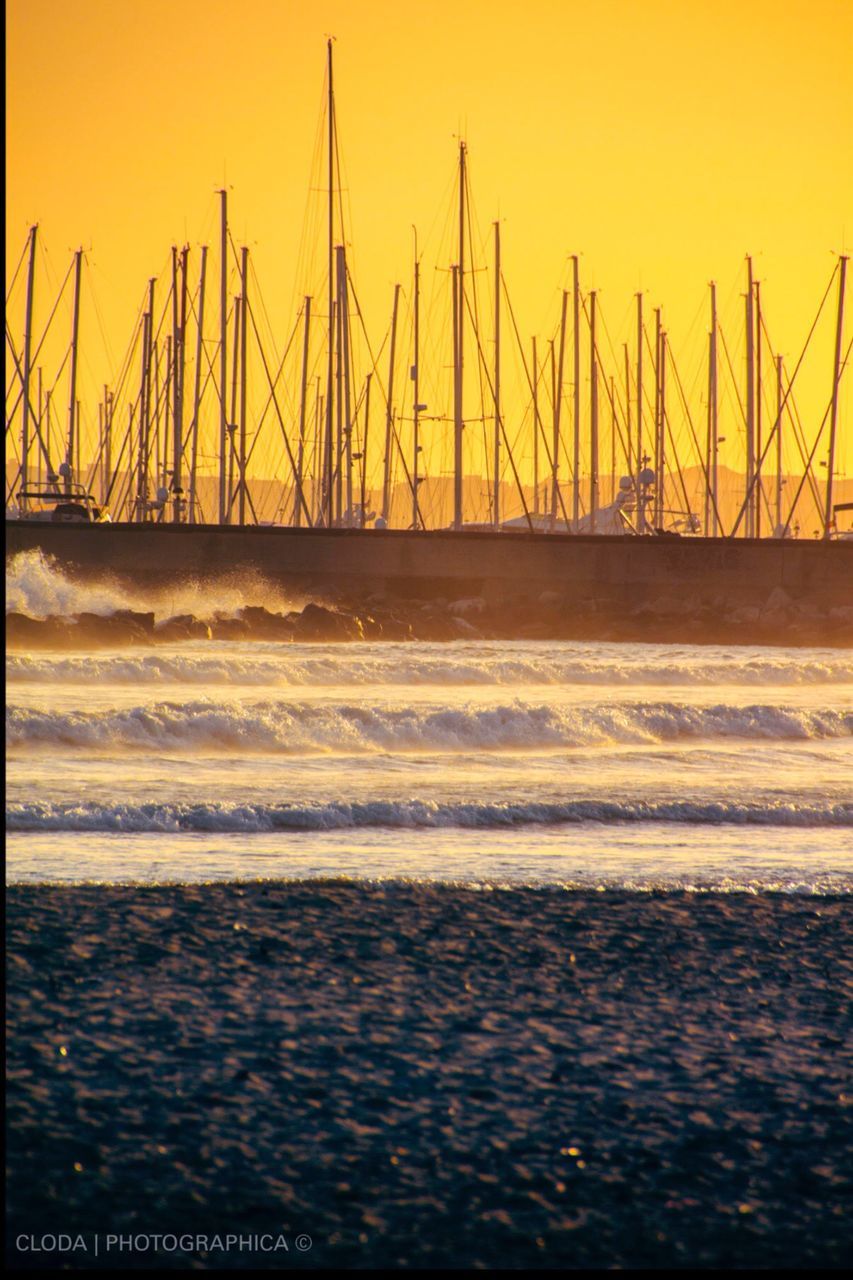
{"type": "Point", "coordinates": [661, 142]}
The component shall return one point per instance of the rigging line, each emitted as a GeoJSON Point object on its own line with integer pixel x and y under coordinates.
{"type": "Point", "coordinates": [136, 402]}
{"type": "Point", "coordinates": [475, 319]}
{"type": "Point", "coordinates": [129, 353]}
{"type": "Point", "coordinates": [699, 452]}
{"type": "Point", "coordinates": [18, 267]}
{"type": "Point", "coordinates": [548, 455]}
{"type": "Point", "coordinates": [799, 433]}
{"type": "Point", "coordinates": [668, 424]}
{"type": "Point", "coordinates": [814, 447]}
{"type": "Point", "coordinates": [604, 377]}
{"type": "Point", "coordinates": [738, 400]}
{"type": "Point", "coordinates": [291, 459]}
{"type": "Point", "coordinates": [503, 432]}
{"type": "Point", "coordinates": [260, 421]}
{"type": "Point", "coordinates": [785, 401]}
{"type": "Point", "coordinates": [40, 344]}
{"type": "Point", "coordinates": [98, 315]}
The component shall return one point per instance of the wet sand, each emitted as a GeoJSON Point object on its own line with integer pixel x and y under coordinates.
{"type": "Point", "coordinates": [422, 1076]}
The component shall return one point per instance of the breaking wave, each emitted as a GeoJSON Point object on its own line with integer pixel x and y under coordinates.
{"type": "Point", "coordinates": [294, 728]}
{"type": "Point", "coordinates": [36, 586]}
{"type": "Point", "coordinates": [414, 814]}
{"type": "Point", "coordinates": [295, 666]}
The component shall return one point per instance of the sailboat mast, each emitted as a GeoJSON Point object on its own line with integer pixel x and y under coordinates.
{"type": "Point", "coordinates": [364, 448]}
{"type": "Point", "coordinates": [244, 330]}
{"type": "Point", "coordinates": [496, 511]}
{"type": "Point", "coordinates": [576, 458]}
{"type": "Point", "coordinates": [223, 350]}
{"type": "Point", "coordinates": [389, 410]}
{"type": "Point", "coordinates": [641, 515]}
{"type": "Point", "coordinates": [303, 391]}
{"type": "Point", "coordinates": [758, 484]}
{"type": "Point", "coordinates": [593, 416]}
{"type": "Point", "coordinates": [658, 507]}
{"type": "Point", "coordinates": [750, 402]}
{"type": "Point", "coordinates": [72, 402]}
{"type": "Point", "coordinates": [347, 397]}
{"type": "Point", "coordinates": [711, 524]}
{"type": "Point", "coordinates": [28, 342]}
{"type": "Point", "coordinates": [458, 349]}
{"type": "Point", "coordinates": [661, 485]}
{"type": "Point", "coordinates": [329, 452]}
{"type": "Point", "coordinates": [199, 351]}
{"type": "Point", "coordinates": [416, 380]}
{"type": "Point", "coordinates": [339, 384]}
{"type": "Point", "coordinates": [778, 442]}
{"type": "Point", "coordinates": [179, 349]}
{"type": "Point", "coordinates": [558, 400]}
{"type": "Point", "coordinates": [833, 420]}
{"type": "Point", "coordinates": [535, 430]}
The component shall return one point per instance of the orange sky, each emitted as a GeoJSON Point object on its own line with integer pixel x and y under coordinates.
{"type": "Point", "coordinates": [661, 140]}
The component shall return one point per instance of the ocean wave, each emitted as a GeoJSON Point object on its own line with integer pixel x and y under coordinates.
{"type": "Point", "coordinates": [216, 817]}
{"type": "Point", "coordinates": [297, 666]}
{"type": "Point", "coordinates": [36, 586]}
{"type": "Point", "coordinates": [294, 728]}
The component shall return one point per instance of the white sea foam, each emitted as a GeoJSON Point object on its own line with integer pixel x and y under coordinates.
{"type": "Point", "coordinates": [281, 727]}
{"type": "Point", "coordinates": [36, 586]}
{"type": "Point", "coordinates": [306, 666]}
{"type": "Point", "coordinates": [415, 814]}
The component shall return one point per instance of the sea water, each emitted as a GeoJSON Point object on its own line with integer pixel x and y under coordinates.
{"type": "Point", "coordinates": [486, 762]}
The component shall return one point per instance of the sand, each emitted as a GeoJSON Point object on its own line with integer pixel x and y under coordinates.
{"type": "Point", "coordinates": [424, 1076]}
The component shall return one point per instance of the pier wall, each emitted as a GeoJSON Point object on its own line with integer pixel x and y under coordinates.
{"type": "Point", "coordinates": [497, 566]}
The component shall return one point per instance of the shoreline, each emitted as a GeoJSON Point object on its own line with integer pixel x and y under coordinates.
{"type": "Point", "coordinates": [428, 1075]}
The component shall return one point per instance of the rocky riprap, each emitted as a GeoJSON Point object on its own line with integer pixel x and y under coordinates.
{"type": "Point", "coordinates": [778, 620]}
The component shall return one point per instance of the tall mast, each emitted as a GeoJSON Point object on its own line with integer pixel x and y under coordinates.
{"type": "Point", "coordinates": [658, 507]}
{"type": "Point", "coordinates": [223, 354]}
{"type": "Point", "coordinates": [711, 524]}
{"type": "Point", "coordinates": [836, 377]}
{"type": "Point", "coordinates": [593, 415]}
{"type": "Point", "coordinates": [303, 391]}
{"type": "Point", "coordinates": [641, 515]}
{"type": "Point", "coordinates": [630, 469]}
{"type": "Point", "coordinates": [389, 410]}
{"type": "Point", "coordinates": [576, 459]}
{"type": "Point", "coordinates": [347, 396]}
{"type": "Point", "coordinates": [778, 429]}
{"type": "Point", "coordinates": [141, 484]}
{"type": "Point", "coordinates": [364, 448]}
{"type": "Point", "coordinates": [150, 374]}
{"type": "Point", "coordinates": [758, 495]}
{"type": "Point", "coordinates": [558, 400]}
{"type": "Point", "coordinates": [197, 392]}
{"type": "Point", "coordinates": [496, 508]}
{"type": "Point", "coordinates": [330, 112]}
{"type": "Point", "coordinates": [535, 431]}
{"type": "Point", "coordinates": [556, 429]}
{"type": "Point", "coordinates": [750, 401]}
{"type": "Point", "coordinates": [458, 350]}
{"type": "Point", "coordinates": [613, 486]}
{"type": "Point", "coordinates": [339, 383]}
{"type": "Point", "coordinates": [661, 487]}
{"type": "Point", "coordinates": [72, 402]}
{"type": "Point", "coordinates": [28, 340]}
{"type": "Point", "coordinates": [244, 329]}
{"type": "Point", "coordinates": [232, 424]}
{"type": "Point", "coordinates": [416, 411]}
{"type": "Point", "coordinates": [179, 350]}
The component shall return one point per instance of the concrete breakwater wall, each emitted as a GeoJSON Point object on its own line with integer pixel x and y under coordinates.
{"type": "Point", "coordinates": [516, 584]}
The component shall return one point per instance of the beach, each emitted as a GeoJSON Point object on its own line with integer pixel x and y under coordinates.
{"type": "Point", "coordinates": [421, 1075]}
